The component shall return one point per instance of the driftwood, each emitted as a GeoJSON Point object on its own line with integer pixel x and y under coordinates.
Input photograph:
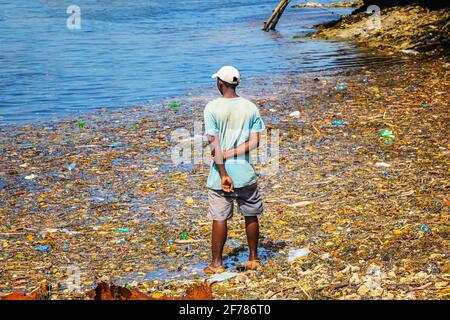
{"type": "Point", "coordinates": [276, 15]}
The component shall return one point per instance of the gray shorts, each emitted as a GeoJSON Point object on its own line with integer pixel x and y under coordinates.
{"type": "Point", "coordinates": [221, 204]}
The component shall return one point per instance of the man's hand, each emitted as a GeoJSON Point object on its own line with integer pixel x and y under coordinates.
{"type": "Point", "coordinates": [227, 184]}
{"type": "Point", "coordinates": [224, 154]}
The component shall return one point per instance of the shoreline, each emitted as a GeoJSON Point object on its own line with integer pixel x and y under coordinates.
{"type": "Point", "coordinates": [334, 168]}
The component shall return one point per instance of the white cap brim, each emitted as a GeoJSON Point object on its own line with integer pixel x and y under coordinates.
{"type": "Point", "coordinates": [215, 75]}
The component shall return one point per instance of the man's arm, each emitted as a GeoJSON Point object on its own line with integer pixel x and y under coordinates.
{"type": "Point", "coordinates": [244, 148]}
{"type": "Point", "coordinates": [227, 182]}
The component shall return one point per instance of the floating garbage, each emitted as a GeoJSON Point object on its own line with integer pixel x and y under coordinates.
{"type": "Point", "coordinates": [339, 123]}
{"type": "Point", "coordinates": [382, 165]}
{"type": "Point", "coordinates": [81, 124]}
{"type": "Point", "coordinates": [71, 166]}
{"type": "Point", "coordinates": [424, 228]}
{"type": "Point", "coordinates": [116, 144]}
{"type": "Point", "coordinates": [175, 105]}
{"type": "Point", "coordinates": [297, 253]}
{"type": "Point", "coordinates": [219, 277]}
{"type": "Point", "coordinates": [30, 177]}
{"type": "Point", "coordinates": [342, 86]}
{"type": "Point", "coordinates": [43, 248]}
{"type": "Point", "coordinates": [295, 114]}
{"type": "Point", "coordinates": [123, 230]}
{"type": "Point", "coordinates": [387, 135]}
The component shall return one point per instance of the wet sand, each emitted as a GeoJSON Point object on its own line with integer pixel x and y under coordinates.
{"type": "Point", "coordinates": [373, 210]}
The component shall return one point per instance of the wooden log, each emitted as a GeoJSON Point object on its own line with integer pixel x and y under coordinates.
{"type": "Point", "coordinates": [275, 13]}
{"type": "Point", "coordinates": [280, 13]}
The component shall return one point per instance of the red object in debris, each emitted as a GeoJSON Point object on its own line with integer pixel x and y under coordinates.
{"type": "Point", "coordinates": [105, 291]}
{"type": "Point", "coordinates": [41, 293]}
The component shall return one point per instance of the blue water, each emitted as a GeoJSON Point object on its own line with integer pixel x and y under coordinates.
{"type": "Point", "coordinates": [130, 52]}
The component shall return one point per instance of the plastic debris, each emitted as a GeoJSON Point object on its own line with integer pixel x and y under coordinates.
{"type": "Point", "coordinates": [184, 236]}
{"type": "Point", "coordinates": [219, 277]}
{"type": "Point", "coordinates": [71, 166]}
{"type": "Point", "coordinates": [189, 201]}
{"type": "Point", "coordinates": [81, 124]}
{"type": "Point", "coordinates": [295, 114]}
{"type": "Point", "coordinates": [175, 105]}
{"type": "Point", "coordinates": [382, 165]}
{"type": "Point", "coordinates": [327, 192]}
{"type": "Point", "coordinates": [30, 177]}
{"type": "Point", "coordinates": [297, 253]}
{"type": "Point", "coordinates": [342, 86]}
{"type": "Point", "coordinates": [43, 248]}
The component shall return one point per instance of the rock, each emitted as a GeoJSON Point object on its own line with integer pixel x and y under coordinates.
{"type": "Point", "coordinates": [325, 256]}
{"type": "Point", "coordinates": [355, 279]}
{"type": "Point", "coordinates": [376, 292]}
{"type": "Point", "coordinates": [421, 275]}
{"type": "Point", "coordinates": [412, 52]}
{"type": "Point", "coordinates": [391, 274]}
{"type": "Point", "coordinates": [441, 284]}
{"type": "Point", "coordinates": [363, 290]}
{"type": "Point", "coordinates": [355, 268]}
{"type": "Point", "coordinates": [387, 296]}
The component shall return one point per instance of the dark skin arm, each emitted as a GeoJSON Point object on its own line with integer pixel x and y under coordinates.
{"type": "Point", "coordinates": [244, 148]}
{"type": "Point", "coordinates": [227, 182]}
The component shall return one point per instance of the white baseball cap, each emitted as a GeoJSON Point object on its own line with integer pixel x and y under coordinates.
{"type": "Point", "coordinates": [228, 74]}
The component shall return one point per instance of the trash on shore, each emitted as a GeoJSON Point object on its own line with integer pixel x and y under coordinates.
{"type": "Point", "coordinates": [297, 253]}
{"type": "Point", "coordinates": [342, 86]}
{"type": "Point", "coordinates": [382, 165]}
{"type": "Point", "coordinates": [327, 192]}
{"type": "Point", "coordinates": [224, 276]}
{"type": "Point", "coordinates": [295, 114]}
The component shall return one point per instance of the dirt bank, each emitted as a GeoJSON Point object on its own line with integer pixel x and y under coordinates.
{"type": "Point", "coordinates": [405, 29]}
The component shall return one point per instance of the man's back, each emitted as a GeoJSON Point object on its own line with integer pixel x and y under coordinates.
{"type": "Point", "coordinates": [232, 120]}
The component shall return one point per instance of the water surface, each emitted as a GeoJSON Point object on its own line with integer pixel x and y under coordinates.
{"type": "Point", "coordinates": [130, 52]}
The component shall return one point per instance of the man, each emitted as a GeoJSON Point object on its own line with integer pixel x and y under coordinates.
{"type": "Point", "coordinates": [233, 126]}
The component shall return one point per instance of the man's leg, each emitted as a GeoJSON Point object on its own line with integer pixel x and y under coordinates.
{"type": "Point", "coordinates": [252, 230]}
{"type": "Point", "coordinates": [218, 239]}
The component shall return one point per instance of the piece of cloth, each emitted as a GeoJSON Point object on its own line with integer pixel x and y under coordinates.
{"type": "Point", "coordinates": [232, 121]}
{"type": "Point", "coordinates": [221, 203]}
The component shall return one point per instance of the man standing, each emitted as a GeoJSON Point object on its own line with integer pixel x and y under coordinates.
{"type": "Point", "coordinates": [233, 125]}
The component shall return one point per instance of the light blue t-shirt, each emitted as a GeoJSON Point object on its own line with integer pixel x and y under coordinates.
{"type": "Point", "coordinates": [232, 120]}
